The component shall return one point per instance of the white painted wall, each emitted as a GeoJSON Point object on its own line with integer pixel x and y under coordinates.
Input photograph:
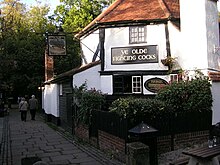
{"type": "Point", "coordinates": [199, 33]}
{"type": "Point", "coordinates": [119, 37]}
{"type": "Point", "coordinates": [212, 34]}
{"type": "Point", "coordinates": [175, 42]}
{"type": "Point", "coordinates": [51, 102]}
{"type": "Point", "coordinates": [89, 45]}
{"type": "Point", "coordinates": [91, 76]}
{"type": "Point", "coordinates": [106, 84]}
{"type": "Point", "coordinates": [193, 31]}
{"type": "Point", "coordinates": [216, 103]}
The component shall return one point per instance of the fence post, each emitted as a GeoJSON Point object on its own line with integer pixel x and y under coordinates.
{"type": "Point", "coordinates": [137, 154]}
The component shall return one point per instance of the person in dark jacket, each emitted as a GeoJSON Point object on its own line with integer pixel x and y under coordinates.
{"type": "Point", "coordinates": [33, 106]}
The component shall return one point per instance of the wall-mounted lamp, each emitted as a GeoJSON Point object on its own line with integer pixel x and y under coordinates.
{"type": "Point", "coordinates": [216, 49]}
{"type": "Point", "coordinates": [41, 88]}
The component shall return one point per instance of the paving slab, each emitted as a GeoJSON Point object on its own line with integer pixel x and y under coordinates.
{"type": "Point", "coordinates": [31, 140]}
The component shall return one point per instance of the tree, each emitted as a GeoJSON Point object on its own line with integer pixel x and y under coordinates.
{"type": "Point", "coordinates": [22, 48]}
{"type": "Point", "coordinates": [23, 35]}
{"type": "Point", "coordinates": [75, 15]}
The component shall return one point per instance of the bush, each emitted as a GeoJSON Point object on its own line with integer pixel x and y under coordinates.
{"type": "Point", "coordinates": [137, 109]}
{"type": "Point", "coordinates": [86, 101]}
{"type": "Point", "coordinates": [184, 96]}
{"type": "Point", "coordinates": [194, 95]}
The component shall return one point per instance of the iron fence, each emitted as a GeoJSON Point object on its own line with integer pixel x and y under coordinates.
{"type": "Point", "coordinates": [165, 124]}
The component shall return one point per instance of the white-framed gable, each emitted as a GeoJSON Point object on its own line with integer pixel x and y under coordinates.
{"type": "Point", "coordinates": [118, 37]}
{"type": "Point", "coordinates": [90, 46]}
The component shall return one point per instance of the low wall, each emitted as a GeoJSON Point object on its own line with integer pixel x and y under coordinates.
{"type": "Point", "coordinates": [116, 147]}
{"type": "Point", "coordinates": [112, 145]}
{"type": "Point", "coordinates": [82, 132]}
{"type": "Point", "coordinates": [182, 140]}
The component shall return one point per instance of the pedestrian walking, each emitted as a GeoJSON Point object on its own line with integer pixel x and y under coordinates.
{"type": "Point", "coordinates": [33, 105]}
{"type": "Point", "coordinates": [23, 107]}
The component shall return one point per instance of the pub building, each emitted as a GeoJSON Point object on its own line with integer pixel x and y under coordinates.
{"type": "Point", "coordinates": [135, 47]}
{"type": "Point", "coordinates": [134, 40]}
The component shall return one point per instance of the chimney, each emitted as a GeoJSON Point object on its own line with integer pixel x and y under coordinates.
{"type": "Point", "coordinates": [49, 66]}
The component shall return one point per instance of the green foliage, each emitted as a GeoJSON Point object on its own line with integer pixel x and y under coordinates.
{"type": "Point", "coordinates": [189, 96]}
{"type": "Point", "coordinates": [22, 66]}
{"type": "Point", "coordinates": [194, 95]}
{"type": "Point", "coordinates": [139, 108]}
{"type": "Point", "coordinates": [23, 44]}
{"type": "Point", "coordinates": [22, 48]}
{"type": "Point", "coordinates": [86, 101]}
{"type": "Point", "coordinates": [75, 15]}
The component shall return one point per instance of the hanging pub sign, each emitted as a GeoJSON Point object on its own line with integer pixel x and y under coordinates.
{"type": "Point", "coordinates": [155, 84]}
{"type": "Point", "coordinates": [134, 55]}
{"type": "Point", "coordinates": [56, 45]}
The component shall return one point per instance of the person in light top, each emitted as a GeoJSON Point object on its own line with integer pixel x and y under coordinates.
{"type": "Point", "coordinates": [23, 107]}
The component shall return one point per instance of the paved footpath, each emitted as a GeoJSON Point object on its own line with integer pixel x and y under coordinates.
{"type": "Point", "coordinates": [23, 143]}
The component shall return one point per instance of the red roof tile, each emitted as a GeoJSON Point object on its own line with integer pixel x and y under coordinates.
{"type": "Point", "coordinates": [127, 10]}
{"type": "Point", "coordinates": [137, 10]}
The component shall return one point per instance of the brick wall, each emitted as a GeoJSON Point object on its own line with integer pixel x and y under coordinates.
{"type": "Point", "coordinates": [190, 139]}
{"type": "Point", "coordinates": [49, 66]}
{"type": "Point", "coordinates": [164, 144]}
{"type": "Point", "coordinates": [116, 147]}
{"type": "Point", "coordinates": [183, 140]}
{"type": "Point", "coordinates": [82, 132]}
{"type": "Point", "coordinates": [112, 145]}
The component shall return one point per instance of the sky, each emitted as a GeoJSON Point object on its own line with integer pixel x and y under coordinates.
{"type": "Point", "coordinates": [54, 3]}
{"type": "Point", "coordinates": [51, 3]}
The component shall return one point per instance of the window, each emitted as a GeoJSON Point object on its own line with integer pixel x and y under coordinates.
{"type": "Point", "coordinates": [137, 34]}
{"type": "Point", "coordinates": [136, 84]}
{"type": "Point", "coordinates": [127, 84]}
{"type": "Point", "coordinates": [175, 78]}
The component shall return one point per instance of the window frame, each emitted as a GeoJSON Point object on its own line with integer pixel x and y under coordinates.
{"type": "Point", "coordinates": [135, 82]}
{"type": "Point", "coordinates": [139, 32]}
{"type": "Point", "coordinates": [124, 82]}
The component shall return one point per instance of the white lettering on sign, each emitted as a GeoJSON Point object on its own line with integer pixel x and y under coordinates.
{"type": "Point", "coordinates": [139, 51]}
{"type": "Point", "coordinates": [147, 57]}
{"type": "Point", "coordinates": [124, 58]}
{"type": "Point", "coordinates": [123, 52]}
{"type": "Point", "coordinates": [141, 54]}
{"type": "Point", "coordinates": [133, 58]}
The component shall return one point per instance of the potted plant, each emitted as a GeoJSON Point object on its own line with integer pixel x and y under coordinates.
{"type": "Point", "coordinates": [169, 61]}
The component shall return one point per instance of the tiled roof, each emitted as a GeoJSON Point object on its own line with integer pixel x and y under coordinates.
{"type": "Point", "coordinates": [126, 10]}
{"type": "Point", "coordinates": [137, 10]}
{"type": "Point", "coordinates": [214, 76]}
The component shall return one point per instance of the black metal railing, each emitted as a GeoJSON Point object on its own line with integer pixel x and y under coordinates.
{"type": "Point", "coordinates": [165, 124]}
